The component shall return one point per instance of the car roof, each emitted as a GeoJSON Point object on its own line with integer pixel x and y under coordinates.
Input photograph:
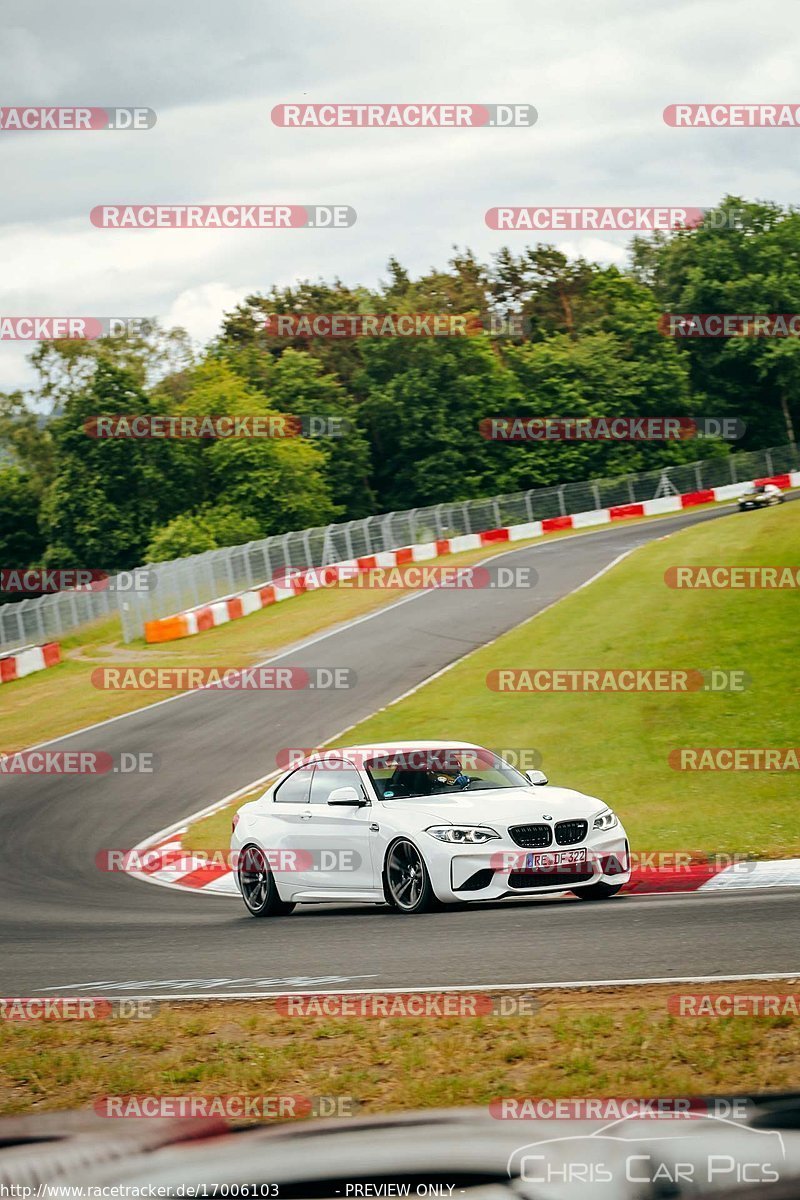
{"type": "Point", "coordinates": [364, 749]}
{"type": "Point", "coordinates": [400, 747]}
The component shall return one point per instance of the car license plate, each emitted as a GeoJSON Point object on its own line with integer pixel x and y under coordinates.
{"type": "Point", "coordinates": [558, 858]}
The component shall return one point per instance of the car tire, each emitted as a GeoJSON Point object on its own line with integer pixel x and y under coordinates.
{"type": "Point", "coordinates": [257, 885]}
{"type": "Point", "coordinates": [597, 891]}
{"type": "Point", "coordinates": [406, 882]}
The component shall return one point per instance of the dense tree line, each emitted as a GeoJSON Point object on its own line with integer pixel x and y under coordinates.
{"type": "Point", "coordinates": [592, 347]}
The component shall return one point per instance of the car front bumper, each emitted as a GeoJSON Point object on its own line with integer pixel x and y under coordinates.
{"type": "Point", "coordinates": [498, 869]}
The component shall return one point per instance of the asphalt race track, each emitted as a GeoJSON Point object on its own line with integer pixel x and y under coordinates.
{"type": "Point", "coordinates": [68, 928]}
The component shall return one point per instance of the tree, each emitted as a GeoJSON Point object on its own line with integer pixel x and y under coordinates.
{"type": "Point", "coordinates": [744, 258]}
{"type": "Point", "coordinates": [412, 407]}
{"type": "Point", "coordinates": [425, 401]}
{"type": "Point", "coordinates": [548, 289]}
{"type": "Point", "coordinates": [21, 542]}
{"type": "Point", "coordinates": [619, 364]}
{"type": "Point", "coordinates": [109, 494]}
{"type": "Point", "coordinates": [464, 288]}
{"type": "Point", "coordinates": [25, 440]}
{"type": "Point", "coordinates": [278, 482]}
{"type": "Point", "coordinates": [148, 354]}
{"type": "Point", "coordinates": [209, 529]}
{"type": "Point", "coordinates": [298, 384]}
{"type": "Point", "coordinates": [247, 346]}
{"type": "Point", "coordinates": [598, 376]}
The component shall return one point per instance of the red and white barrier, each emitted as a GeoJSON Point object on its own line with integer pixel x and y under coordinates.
{"type": "Point", "coordinates": [16, 664]}
{"type": "Point", "coordinates": [229, 608]}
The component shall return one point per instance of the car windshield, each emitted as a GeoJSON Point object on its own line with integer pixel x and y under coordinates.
{"type": "Point", "coordinates": [440, 772]}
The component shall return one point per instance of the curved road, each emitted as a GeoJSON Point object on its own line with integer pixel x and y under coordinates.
{"type": "Point", "coordinates": [68, 928]}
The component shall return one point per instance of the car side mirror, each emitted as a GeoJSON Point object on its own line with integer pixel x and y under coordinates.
{"type": "Point", "coordinates": [537, 778]}
{"type": "Point", "coordinates": [346, 796]}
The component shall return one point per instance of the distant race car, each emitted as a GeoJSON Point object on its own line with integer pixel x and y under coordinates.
{"type": "Point", "coordinates": [760, 495]}
{"type": "Point", "coordinates": [420, 824]}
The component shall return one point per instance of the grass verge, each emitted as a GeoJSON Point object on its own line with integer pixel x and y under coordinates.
{"type": "Point", "coordinates": [603, 1042]}
{"type": "Point", "coordinates": [617, 745]}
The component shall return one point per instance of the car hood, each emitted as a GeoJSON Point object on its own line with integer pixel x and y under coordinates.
{"type": "Point", "coordinates": [508, 806]}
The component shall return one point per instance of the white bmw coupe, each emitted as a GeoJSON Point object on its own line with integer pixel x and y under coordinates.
{"type": "Point", "coordinates": [421, 824]}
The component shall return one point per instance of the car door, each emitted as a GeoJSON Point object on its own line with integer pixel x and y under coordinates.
{"type": "Point", "coordinates": [282, 827]}
{"type": "Point", "coordinates": [342, 838]}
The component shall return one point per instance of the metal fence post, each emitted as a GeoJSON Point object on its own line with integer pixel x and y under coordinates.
{"type": "Point", "coordinates": [387, 533]}
{"type": "Point", "coordinates": [267, 566]}
{"type": "Point", "coordinates": [437, 516]}
{"type": "Point", "coordinates": [40, 622]}
{"type": "Point", "coordinates": [229, 568]}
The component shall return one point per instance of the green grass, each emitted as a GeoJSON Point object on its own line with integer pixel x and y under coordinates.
{"type": "Point", "coordinates": [616, 746]}
{"type": "Point", "coordinates": [62, 698]}
{"type": "Point", "coordinates": [213, 832]}
{"type": "Point", "coordinates": [604, 1042]}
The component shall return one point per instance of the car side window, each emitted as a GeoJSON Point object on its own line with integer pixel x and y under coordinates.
{"type": "Point", "coordinates": [331, 775]}
{"type": "Point", "coordinates": [295, 788]}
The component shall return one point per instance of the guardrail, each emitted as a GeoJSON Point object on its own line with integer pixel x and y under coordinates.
{"type": "Point", "coordinates": [188, 582]}
{"type": "Point", "coordinates": [301, 580]}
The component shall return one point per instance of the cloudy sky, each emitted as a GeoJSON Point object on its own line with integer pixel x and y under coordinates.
{"type": "Point", "coordinates": [599, 74]}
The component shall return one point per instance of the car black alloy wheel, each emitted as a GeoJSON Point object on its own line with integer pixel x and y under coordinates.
{"type": "Point", "coordinates": [406, 881]}
{"type": "Point", "coordinates": [258, 885]}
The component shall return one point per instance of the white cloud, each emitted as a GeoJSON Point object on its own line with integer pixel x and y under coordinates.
{"type": "Point", "coordinates": [198, 310]}
{"type": "Point", "coordinates": [599, 75]}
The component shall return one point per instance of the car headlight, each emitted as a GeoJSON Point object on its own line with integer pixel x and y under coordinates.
{"type": "Point", "coordinates": [464, 835]}
{"type": "Point", "coordinates": [606, 820]}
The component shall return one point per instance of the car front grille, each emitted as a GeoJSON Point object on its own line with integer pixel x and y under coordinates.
{"type": "Point", "coordinates": [568, 833]}
{"type": "Point", "coordinates": [539, 879]}
{"type": "Point", "coordinates": [533, 837]}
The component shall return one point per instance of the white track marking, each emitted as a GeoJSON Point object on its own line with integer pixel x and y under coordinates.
{"type": "Point", "coordinates": [790, 976]}
{"type": "Point", "coordinates": [135, 983]}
